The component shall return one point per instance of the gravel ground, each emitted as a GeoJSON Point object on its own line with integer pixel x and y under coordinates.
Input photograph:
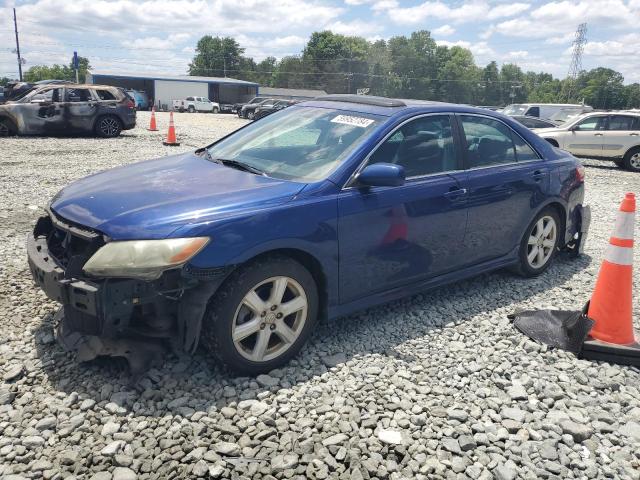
{"type": "Point", "coordinates": [435, 386]}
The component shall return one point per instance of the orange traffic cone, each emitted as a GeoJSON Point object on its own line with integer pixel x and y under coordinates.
{"type": "Point", "coordinates": [152, 124]}
{"type": "Point", "coordinates": [612, 338]}
{"type": "Point", "coordinates": [171, 134]}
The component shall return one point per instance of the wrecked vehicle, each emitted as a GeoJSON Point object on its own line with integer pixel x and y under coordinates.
{"type": "Point", "coordinates": [318, 210]}
{"type": "Point", "coordinates": [64, 109]}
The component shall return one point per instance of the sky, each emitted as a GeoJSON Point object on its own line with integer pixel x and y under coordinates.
{"type": "Point", "coordinates": [159, 36]}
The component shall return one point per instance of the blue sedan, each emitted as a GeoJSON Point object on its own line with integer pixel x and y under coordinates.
{"type": "Point", "coordinates": [324, 208]}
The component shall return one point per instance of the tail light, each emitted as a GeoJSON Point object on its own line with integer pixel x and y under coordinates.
{"type": "Point", "coordinates": [131, 104]}
{"type": "Point", "coordinates": [580, 173]}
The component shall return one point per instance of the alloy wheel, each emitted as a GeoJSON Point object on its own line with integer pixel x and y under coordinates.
{"type": "Point", "coordinates": [634, 161]}
{"type": "Point", "coordinates": [542, 241]}
{"type": "Point", "coordinates": [109, 127]}
{"type": "Point", "coordinates": [269, 319]}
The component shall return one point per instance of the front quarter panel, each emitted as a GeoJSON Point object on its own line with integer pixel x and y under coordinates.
{"type": "Point", "coordinates": [308, 223]}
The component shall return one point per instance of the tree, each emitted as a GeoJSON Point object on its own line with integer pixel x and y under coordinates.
{"type": "Point", "coordinates": [602, 88]}
{"type": "Point", "coordinates": [4, 81]}
{"type": "Point", "coordinates": [58, 72]}
{"type": "Point", "coordinates": [490, 85]}
{"type": "Point", "coordinates": [218, 57]}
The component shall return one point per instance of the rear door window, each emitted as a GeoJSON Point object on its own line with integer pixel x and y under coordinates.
{"type": "Point", "coordinates": [488, 142]}
{"type": "Point", "coordinates": [78, 95]}
{"type": "Point", "coordinates": [620, 123]}
{"type": "Point", "coordinates": [105, 94]}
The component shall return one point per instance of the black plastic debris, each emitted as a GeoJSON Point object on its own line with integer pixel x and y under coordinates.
{"type": "Point", "coordinates": [557, 328]}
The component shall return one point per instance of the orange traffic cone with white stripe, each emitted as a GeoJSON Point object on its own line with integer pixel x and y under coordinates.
{"type": "Point", "coordinates": [612, 338]}
{"type": "Point", "coordinates": [171, 134]}
{"type": "Point", "coordinates": [152, 124]}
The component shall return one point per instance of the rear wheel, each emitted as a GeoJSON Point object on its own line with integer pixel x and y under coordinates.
{"type": "Point", "coordinates": [262, 316]}
{"type": "Point", "coordinates": [539, 244]}
{"type": "Point", "coordinates": [631, 160]}
{"type": "Point", "coordinates": [108, 126]}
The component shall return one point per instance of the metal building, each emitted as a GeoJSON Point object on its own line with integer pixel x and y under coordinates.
{"type": "Point", "coordinates": [163, 89]}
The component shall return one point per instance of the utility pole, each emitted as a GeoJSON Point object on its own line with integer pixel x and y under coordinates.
{"type": "Point", "coordinates": [576, 59]}
{"type": "Point", "coordinates": [15, 27]}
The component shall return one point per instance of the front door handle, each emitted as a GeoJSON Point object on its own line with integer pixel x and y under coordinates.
{"type": "Point", "coordinates": [634, 134]}
{"type": "Point", "coordinates": [455, 193]}
{"type": "Point", "coordinates": [598, 134]}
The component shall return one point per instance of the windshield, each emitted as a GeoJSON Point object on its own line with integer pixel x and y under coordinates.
{"type": "Point", "coordinates": [297, 143]}
{"type": "Point", "coordinates": [515, 109]}
{"type": "Point", "coordinates": [564, 116]}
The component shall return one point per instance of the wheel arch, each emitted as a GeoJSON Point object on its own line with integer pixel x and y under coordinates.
{"type": "Point", "coordinates": [10, 121]}
{"type": "Point", "coordinates": [631, 149]}
{"type": "Point", "coordinates": [553, 142]}
{"type": "Point", "coordinates": [100, 116]}
{"type": "Point", "coordinates": [561, 210]}
{"type": "Point", "coordinates": [303, 257]}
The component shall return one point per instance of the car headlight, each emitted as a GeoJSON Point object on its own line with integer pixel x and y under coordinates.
{"type": "Point", "coordinates": [142, 259]}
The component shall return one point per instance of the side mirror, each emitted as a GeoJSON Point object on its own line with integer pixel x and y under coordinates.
{"type": "Point", "coordinates": [381, 175]}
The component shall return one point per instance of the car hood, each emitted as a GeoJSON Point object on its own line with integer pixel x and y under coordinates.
{"type": "Point", "coordinates": [152, 199]}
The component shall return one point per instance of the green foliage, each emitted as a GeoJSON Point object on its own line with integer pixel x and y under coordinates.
{"type": "Point", "coordinates": [411, 66]}
{"type": "Point", "coordinates": [4, 81]}
{"type": "Point", "coordinates": [58, 72]}
{"type": "Point", "coordinates": [219, 57]}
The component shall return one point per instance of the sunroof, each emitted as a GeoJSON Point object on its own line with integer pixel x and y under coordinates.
{"type": "Point", "coordinates": [364, 100]}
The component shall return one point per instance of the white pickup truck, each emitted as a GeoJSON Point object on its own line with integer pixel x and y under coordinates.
{"type": "Point", "coordinates": [196, 104]}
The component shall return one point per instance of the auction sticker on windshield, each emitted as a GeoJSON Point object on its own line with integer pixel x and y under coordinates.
{"type": "Point", "coordinates": [353, 121]}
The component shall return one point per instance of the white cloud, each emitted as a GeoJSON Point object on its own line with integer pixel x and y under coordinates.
{"type": "Point", "coordinates": [470, 11]}
{"type": "Point", "coordinates": [355, 27]}
{"type": "Point", "coordinates": [517, 54]}
{"type": "Point", "coordinates": [444, 30]}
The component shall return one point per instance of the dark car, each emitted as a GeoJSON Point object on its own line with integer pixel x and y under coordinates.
{"type": "Point", "coordinates": [69, 109]}
{"type": "Point", "coordinates": [249, 110]}
{"type": "Point", "coordinates": [318, 210]}
{"type": "Point", "coordinates": [239, 106]}
{"type": "Point", "coordinates": [269, 108]}
{"type": "Point", "coordinates": [533, 122]}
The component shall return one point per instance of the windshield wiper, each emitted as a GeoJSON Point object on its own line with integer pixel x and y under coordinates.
{"type": "Point", "coordinates": [240, 166]}
{"type": "Point", "coordinates": [207, 155]}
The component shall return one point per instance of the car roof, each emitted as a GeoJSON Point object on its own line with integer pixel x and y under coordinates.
{"type": "Point", "coordinates": [389, 106]}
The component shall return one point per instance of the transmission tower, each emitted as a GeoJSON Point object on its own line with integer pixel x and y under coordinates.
{"type": "Point", "coordinates": [576, 59]}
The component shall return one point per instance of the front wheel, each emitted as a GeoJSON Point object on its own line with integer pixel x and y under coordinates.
{"type": "Point", "coordinates": [192, 109]}
{"type": "Point", "coordinates": [215, 110]}
{"type": "Point", "coordinates": [251, 115]}
{"type": "Point", "coordinates": [6, 129]}
{"type": "Point", "coordinates": [632, 160]}
{"type": "Point", "coordinates": [108, 127]}
{"type": "Point", "coordinates": [262, 316]}
{"type": "Point", "coordinates": [539, 244]}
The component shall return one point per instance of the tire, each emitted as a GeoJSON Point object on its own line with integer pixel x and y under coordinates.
{"type": "Point", "coordinates": [530, 264]}
{"type": "Point", "coordinates": [264, 323]}
{"type": "Point", "coordinates": [631, 160]}
{"type": "Point", "coordinates": [6, 128]}
{"type": "Point", "coordinates": [215, 110]}
{"type": "Point", "coordinates": [251, 115]}
{"type": "Point", "coordinates": [108, 126]}
{"type": "Point", "coordinates": [191, 109]}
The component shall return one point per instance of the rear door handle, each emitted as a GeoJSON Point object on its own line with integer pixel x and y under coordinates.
{"type": "Point", "coordinates": [598, 134]}
{"type": "Point", "coordinates": [634, 134]}
{"type": "Point", "coordinates": [539, 175]}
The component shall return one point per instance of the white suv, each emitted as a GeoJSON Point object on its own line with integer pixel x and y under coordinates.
{"type": "Point", "coordinates": [603, 135]}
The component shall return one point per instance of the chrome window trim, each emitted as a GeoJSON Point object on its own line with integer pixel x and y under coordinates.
{"type": "Point", "coordinates": [348, 186]}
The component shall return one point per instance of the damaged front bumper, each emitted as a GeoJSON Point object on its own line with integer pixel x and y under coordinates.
{"type": "Point", "coordinates": [118, 316]}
